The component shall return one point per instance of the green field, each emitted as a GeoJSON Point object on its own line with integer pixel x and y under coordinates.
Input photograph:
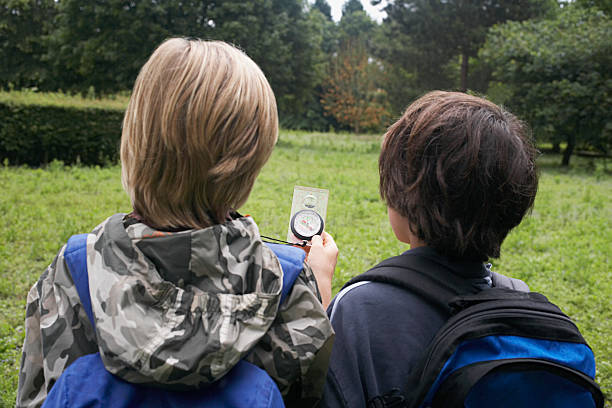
{"type": "Point", "coordinates": [562, 249]}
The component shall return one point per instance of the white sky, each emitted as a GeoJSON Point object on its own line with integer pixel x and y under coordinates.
{"type": "Point", "coordinates": [374, 12]}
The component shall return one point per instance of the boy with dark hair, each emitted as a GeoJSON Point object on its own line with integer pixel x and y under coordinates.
{"type": "Point", "coordinates": [457, 174]}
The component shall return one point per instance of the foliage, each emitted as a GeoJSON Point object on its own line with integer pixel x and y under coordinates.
{"type": "Point", "coordinates": [350, 94]}
{"type": "Point", "coordinates": [442, 30]}
{"type": "Point", "coordinates": [603, 5]}
{"type": "Point", "coordinates": [399, 79]}
{"type": "Point", "coordinates": [351, 6]}
{"type": "Point", "coordinates": [562, 249]}
{"type": "Point", "coordinates": [355, 26]}
{"type": "Point", "coordinates": [23, 27]}
{"type": "Point", "coordinates": [559, 73]}
{"type": "Point", "coordinates": [323, 8]}
{"type": "Point", "coordinates": [278, 36]}
{"type": "Point", "coordinates": [37, 129]}
{"type": "Point", "coordinates": [103, 44]}
{"type": "Point", "coordinates": [327, 38]}
{"type": "Point", "coordinates": [323, 43]}
{"type": "Point", "coordinates": [76, 46]}
{"type": "Point", "coordinates": [97, 48]}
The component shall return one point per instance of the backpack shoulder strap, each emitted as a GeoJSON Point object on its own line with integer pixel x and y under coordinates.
{"type": "Point", "coordinates": [429, 279]}
{"type": "Point", "coordinates": [75, 255]}
{"type": "Point", "coordinates": [292, 262]}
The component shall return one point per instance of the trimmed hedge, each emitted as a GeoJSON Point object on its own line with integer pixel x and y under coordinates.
{"type": "Point", "coordinates": [35, 133]}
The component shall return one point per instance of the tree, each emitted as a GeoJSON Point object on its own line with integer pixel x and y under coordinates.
{"type": "Point", "coordinates": [322, 33]}
{"type": "Point", "coordinates": [603, 5]}
{"type": "Point", "coordinates": [103, 44]}
{"type": "Point", "coordinates": [445, 29]}
{"type": "Point", "coordinates": [397, 56]}
{"type": "Point", "coordinates": [276, 35]}
{"type": "Point", "coordinates": [24, 25]}
{"type": "Point", "coordinates": [355, 24]}
{"type": "Point", "coordinates": [323, 8]}
{"type": "Point", "coordinates": [351, 6]}
{"type": "Point", "coordinates": [351, 95]}
{"type": "Point", "coordinates": [560, 75]}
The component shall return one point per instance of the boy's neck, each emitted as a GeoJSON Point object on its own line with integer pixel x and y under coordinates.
{"type": "Point", "coordinates": [416, 243]}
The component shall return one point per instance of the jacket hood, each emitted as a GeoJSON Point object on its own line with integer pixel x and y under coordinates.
{"type": "Point", "coordinates": [180, 308]}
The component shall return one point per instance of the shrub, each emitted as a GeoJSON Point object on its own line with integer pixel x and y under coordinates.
{"type": "Point", "coordinates": [38, 128]}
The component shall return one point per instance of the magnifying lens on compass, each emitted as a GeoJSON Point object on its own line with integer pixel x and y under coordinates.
{"type": "Point", "coordinates": [305, 224]}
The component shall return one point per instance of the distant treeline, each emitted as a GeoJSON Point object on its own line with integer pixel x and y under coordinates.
{"type": "Point", "coordinates": [550, 62]}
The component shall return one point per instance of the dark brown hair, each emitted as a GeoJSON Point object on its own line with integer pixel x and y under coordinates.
{"type": "Point", "coordinates": [461, 170]}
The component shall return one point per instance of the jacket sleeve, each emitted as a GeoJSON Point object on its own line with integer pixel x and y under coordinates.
{"type": "Point", "coordinates": [295, 351]}
{"type": "Point", "coordinates": [57, 333]}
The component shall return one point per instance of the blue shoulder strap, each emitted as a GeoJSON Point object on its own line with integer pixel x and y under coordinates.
{"type": "Point", "coordinates": [292, 262]}
{"type": "Point", "coordinates": [76, 259]}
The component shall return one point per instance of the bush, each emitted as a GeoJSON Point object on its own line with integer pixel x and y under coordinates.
{"type": "Point", "coordinates": [38, 128]}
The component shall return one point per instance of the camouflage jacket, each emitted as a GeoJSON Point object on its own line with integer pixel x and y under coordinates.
{"type": "Point", "coordinates": [177, 310]}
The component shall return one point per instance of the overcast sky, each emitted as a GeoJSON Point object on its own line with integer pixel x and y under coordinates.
{"type": "Point", "coordinates": [336, 7]}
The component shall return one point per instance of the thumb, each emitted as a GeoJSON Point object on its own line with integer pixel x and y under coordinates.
{"type": "Point", "coordinates": [317, 240]}
{"type": "Point", "coordinates": [328, 240]}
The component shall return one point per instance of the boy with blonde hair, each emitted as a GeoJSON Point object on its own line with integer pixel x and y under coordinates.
{"type": "Point", "coordinates": [183, 288]}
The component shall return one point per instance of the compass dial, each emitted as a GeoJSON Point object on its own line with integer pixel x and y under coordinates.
{"type": "Point", "coordinates": [305, 224]}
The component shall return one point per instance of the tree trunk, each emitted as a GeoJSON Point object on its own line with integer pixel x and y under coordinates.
{"type": "Point", "coordinates": [571, 143]}
{"type": "Point", "coordinates": [556, 148]}
{"type": "Point", "coordinates": [464, 70]}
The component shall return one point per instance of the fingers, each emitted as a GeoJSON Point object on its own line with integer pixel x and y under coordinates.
{"type": "Point", "coordinates": [324, 244]}
{"type": "Point", "coordinates": [328, 240]}
{"type": "Point", "coordinates": [317, 240]}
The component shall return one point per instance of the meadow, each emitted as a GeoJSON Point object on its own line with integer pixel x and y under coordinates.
{"type": "Point", "coordinates": [562, 249]}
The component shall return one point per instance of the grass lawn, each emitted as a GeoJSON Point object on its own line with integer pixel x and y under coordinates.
{"type": "Point", "coordinates": [562, 249]}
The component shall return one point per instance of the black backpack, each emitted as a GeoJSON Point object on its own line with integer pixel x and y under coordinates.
{"type": "Point", "coordinates": [502, 346]}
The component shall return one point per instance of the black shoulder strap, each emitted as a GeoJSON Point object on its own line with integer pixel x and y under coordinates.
{"type": "Point", "coordinates": [423, 276]}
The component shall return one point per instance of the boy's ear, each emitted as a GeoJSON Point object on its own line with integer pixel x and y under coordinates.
{"type": "Point", "coordinates": [399, 225]}
{"type": "Point", "coordinates": [402, 229]}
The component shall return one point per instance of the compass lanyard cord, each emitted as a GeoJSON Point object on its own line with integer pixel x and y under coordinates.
{"type": "Point", "coordinates": [280, 241]}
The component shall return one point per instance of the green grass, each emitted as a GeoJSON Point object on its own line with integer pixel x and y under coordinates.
{"type": "Point", "coordinates": [562, 249]}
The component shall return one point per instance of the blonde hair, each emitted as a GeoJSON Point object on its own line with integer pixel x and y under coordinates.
{"type": "Point", "coordinates": [200, 125]}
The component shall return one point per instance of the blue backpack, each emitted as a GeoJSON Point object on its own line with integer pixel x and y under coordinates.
{"type": "Point", "coordinates": [87, 383]}
{"type": "Point", "coordinates": [502, 347]}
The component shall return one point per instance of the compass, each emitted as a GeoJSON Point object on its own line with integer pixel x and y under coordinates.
{"type": "Point", "coordinates": [305, 224]}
